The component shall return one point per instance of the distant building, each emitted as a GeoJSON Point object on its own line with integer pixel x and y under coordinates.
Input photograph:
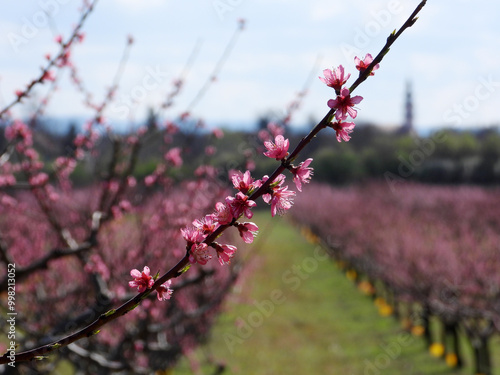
{"type": "Point", "coordinates": [407, 127]}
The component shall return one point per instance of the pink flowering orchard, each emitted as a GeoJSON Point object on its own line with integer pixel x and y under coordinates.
{"type": "Point", "coordinates": [136, 266]}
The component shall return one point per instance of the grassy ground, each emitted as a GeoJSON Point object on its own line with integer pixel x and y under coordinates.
{"type": "Point", "coordinates": [298, 314]}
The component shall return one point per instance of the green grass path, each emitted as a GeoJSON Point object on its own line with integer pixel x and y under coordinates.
{"type": "Point", "coordinates": [296, 313]}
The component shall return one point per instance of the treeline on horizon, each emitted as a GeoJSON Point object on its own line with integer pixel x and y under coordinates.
{"type": "Point", "coordinates": [447, 156]}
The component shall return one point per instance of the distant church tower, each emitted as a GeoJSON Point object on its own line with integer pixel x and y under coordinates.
{"type": "Point", "coordinates": [407, 127]}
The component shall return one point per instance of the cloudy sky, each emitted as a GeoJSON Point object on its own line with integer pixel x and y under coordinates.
{"type": "Point", "coordinates": [451, 56]}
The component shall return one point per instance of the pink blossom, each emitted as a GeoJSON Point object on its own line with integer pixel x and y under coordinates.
{"type": "Point", "coordinates": [142, 280]}
{"type": "Point", "coordinates": [31, 154]}
{"type": "Point", "coordinates": [7, 179]}
{"type": "Point", "coordinates": [344, 104]}
{"type": "Point", "coordinates": [224, 252]}
{"type": "Point", "coordinates": [164, 292]}
{"type": "Point", "coordinates": [58, 39]}
{"type": "Point", "coordinates": [218, 133]}
{"type": "Point", "coordinates": [206, 225]}
{"type": "Point", "coordinates": [302, 174]}
{"type": "Point", "coordinates": [363, 64]}
{"type": "Point", "coordinates": [275, 129]}
{"type": "Point", "coordinates": [240, 204]}
{"type": "Point", "coordinates": [48, 76]}
{"type": "Point", "coordinates": [199, 254]}
{"type": "Point", "coordinates": [39, 180]}
{"type": "Point", "coordinates": [244, 182]}
{"type": "Point", "coordinates": [19, 130]}
{"type": "Point", "coordinates": [113, 186]}
{"type": "Point", "coordinates": [279, 149]}
{"type": "Point", "coordinates": [174, 156]}
{"type": "Point", "coordinates": [248, 231]}
{"type": "Point", "coordinates": [222, 214]}
{"type": "Point", "coordinates": [250, 165]}
{"type": "Point", "coordinates": [281, 200]}
{"type": "Point", "coordinates": [131, 181]}
{"type": "Point", "coordinates": [79, 140]}
{"type": "Point", "coordinates": [125, 205]}
{"type": "Point", "coordinates": [193, 235]}
{"type": "Point", "coordinates": [264, 135]}
{"type": "Point", "coordinates": [150, 180]}
{"type": "Point", "coordinates": [207, 170]}
{"type": "Point", "coordinates": [335, 78]}
{"type": "Point", "coordinates": [8, 201]}
{"type": "Point", "coordinates": [172, 128]}
{"type": "Point", "coordinates": [343, 129]}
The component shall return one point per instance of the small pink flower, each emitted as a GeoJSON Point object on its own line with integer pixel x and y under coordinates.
{"type": "Point", "coordinates": [264, 135]}
{"type": "Point", "coordinates": [363, 64]}
{"type": "Point", "coordinates": [240, 204]}
{"type": "Point", "coordinates": [58, 39]}
{"type": "Point", "coordinates": [39, 180]}
{"type": "Point", "coordinates": [224, 252]}
{"type": "Point", "coordinates": [192, 235]}
{"type": "Point", "coordinates": [142, 280]}
{"type": "Point", "coordinates": [248, 231]}
{"type": "Point", "coordinates": [281, 200]}
{"type": "Point", "coordinates": [164, 292]}
{"type": "Point", "coordinates": [131, 181]}
{"type": "Point", "coordinates": [302, 174]}
{"type": "Point", "coordinates": [344, 104]}
{"type": "Point", "coordinates": [199, 254]}
{"type": "Point", "coordinates": [218, 133]}
{"type": "Point", "coordinates": [343, 129]}
{"type": "Point", "coordinates": [48, 76]}
{"type": "Point", "coordinates": [171, 127]}
{"type": "Point", "coordinates": [275, 129]}
{"type": "Point", "coordinates": [150, 180]}
{"type": "Point", "coordinates": [279, 149]}
{"type": "Point", "coordinates": [335, 78]}
{"type": "Point", "coordinates": [222, 214]}
{"type": "Point", "coordinates": [206, 225]}
{"type": "Point", "coordinates": [125, 205]}
{"type": "Point", "coordinates": [244, 182]}
{"type": "Point", "coordinates": [174, 156]}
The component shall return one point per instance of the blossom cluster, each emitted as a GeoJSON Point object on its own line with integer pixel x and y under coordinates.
{"type": "Point", "coordinates": [143, 280]}
{"type": "Point", "coordinates": [201, 234]}
{"type": "Point", "coordinates": [344, 103]}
